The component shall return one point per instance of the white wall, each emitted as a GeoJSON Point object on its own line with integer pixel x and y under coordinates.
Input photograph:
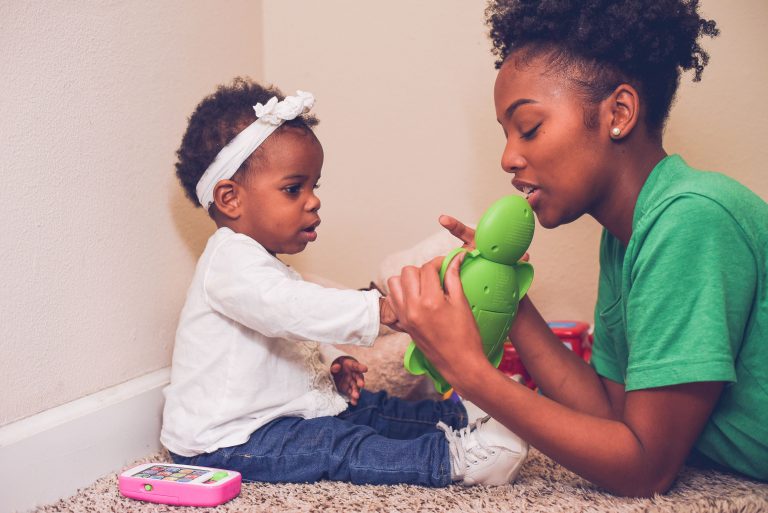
{"type": "Point", "coordinates": [98, 242]}
{"type": "Point", "coordinates": [405, 101]}
{"type": "Point", "coordinates": [719, 123]}
{"type": "Point", "coordinates": [404, 97]}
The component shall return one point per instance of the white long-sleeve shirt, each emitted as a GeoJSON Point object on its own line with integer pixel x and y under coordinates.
{"type": "Point", "coordinates": [254, 344]}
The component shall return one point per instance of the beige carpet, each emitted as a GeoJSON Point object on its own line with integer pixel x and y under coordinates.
{"type": "Point", "coordinates": [543, 486]}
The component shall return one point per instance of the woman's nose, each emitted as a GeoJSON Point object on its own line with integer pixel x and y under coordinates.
{"type": "Point", "coordinates": [512, 160]}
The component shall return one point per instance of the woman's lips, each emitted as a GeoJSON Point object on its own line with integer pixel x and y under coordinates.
{"type": "Point", "coordinates": [531, 192]}
{"type": "Point", "coordinates": [533, 198]}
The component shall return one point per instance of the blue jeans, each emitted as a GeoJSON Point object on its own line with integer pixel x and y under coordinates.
{"type": "Point", "coordinates": [381, 440]}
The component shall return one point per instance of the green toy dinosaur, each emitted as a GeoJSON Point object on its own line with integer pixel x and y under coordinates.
{"type": "Point", "coordinates": [493, 278]}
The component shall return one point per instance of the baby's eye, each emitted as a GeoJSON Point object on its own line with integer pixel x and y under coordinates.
{"type": "Point", "coordinates": [292, 189]}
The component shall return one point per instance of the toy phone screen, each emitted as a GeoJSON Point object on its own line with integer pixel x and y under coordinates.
{"type": "Point", "coordinates": [170, 473]}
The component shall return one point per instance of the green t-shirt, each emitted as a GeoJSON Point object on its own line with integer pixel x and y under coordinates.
{"type": "Point", "coordinates": [687, 301]}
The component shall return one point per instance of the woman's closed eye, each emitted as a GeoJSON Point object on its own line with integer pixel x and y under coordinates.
{"type": "Point", "coordinates": [529, 134]}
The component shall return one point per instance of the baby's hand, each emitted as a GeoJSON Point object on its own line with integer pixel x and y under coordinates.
{"type": "Point", "coordinates": [348, 375]}
{"type": "Point", "coordinates": [387, 314]}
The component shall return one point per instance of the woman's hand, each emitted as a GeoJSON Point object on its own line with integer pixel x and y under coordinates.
{"type": "Point", "coordinates": [440, 322]}
{"type": "Point", "coordinates": [459, 230]}
{"type": "Point", "coordinates": [348, 375]}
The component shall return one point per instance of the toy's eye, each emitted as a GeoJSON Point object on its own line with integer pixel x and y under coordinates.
{"type": "Point", "coordinates": [494, 248]}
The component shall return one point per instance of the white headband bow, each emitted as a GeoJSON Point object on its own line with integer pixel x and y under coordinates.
{"type": "Point", "coordinates": [231, 156]}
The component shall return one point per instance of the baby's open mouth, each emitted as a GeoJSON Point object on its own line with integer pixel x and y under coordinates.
{"type": "Point", "coordinates": [309, 232]}
{"type": "Point", "coordinates": [311, 228]}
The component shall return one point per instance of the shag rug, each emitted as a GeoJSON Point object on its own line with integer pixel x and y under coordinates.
{"type": "Point", "coordinates": [542, 486]}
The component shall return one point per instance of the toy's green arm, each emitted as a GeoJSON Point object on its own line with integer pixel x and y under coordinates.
{"type": "Point", "coordinates": [449, 258]}
{"type": "Point", "coordinates": [524, 272]}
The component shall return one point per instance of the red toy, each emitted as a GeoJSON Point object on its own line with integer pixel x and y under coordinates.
{"type": "Point", "coordinates": [574, 334]}
{"type": "Point", "coordinates": [512, 366]}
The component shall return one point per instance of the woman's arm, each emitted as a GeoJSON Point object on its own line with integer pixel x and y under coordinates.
{"type": "Point", "coordinates": [559, 372]}
{"type": "Point", "coordinates": [637, 453]}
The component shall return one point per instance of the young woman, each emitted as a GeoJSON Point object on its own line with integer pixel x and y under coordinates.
{"type": "Point", "coordinates": [681, 323]}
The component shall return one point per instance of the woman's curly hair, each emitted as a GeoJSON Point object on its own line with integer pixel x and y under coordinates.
{"type": "Point", "coordinates": [217, 119]}
{"type": "Point", "coordinates": [603, 43]}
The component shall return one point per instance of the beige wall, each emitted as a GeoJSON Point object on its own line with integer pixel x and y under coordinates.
{"type": "Point", "coordinates": [98, 243]}
{"type": "Point", "coordinates": [407, 121]}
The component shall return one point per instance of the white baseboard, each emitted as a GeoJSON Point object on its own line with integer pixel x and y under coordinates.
{"type": "Point", "coordinates": [50, 455]}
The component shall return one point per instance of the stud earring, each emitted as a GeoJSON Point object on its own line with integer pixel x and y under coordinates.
{"type": "Point", "coordinates": [615, 132]}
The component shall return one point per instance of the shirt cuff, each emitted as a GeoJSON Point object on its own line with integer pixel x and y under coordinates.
{"type": "Point", "coordinates": [329, 353]}
{"type": "Point", "coordinates": [374, 321]}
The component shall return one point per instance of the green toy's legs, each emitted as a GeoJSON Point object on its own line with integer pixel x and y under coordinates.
{"type": "Point", "coordinates": [414, 360]}
{"type": "Point", "coordinates": [416, 363]}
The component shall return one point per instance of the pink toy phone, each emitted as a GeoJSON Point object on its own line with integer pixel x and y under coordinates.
{"type": "Point", "coordinates": [181, 485]}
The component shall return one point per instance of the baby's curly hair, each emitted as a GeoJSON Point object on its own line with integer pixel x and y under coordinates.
{"type": "Point", "coordinates": [217, 119]}
{"type": "Point", "coordinates": [646, 43]}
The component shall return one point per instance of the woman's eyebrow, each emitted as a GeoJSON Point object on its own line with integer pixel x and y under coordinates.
{"type": "Point", "coordinates": [515, 104]}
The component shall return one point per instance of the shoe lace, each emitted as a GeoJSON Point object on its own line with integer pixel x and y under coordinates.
{"type": "Point", "coordinates": [466, 444]}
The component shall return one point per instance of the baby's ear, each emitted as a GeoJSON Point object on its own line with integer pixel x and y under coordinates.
{"type": "Point", "coordinates": [226, 198]}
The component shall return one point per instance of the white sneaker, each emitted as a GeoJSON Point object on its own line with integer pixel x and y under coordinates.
{"type": "Point", "coordinates": [473, 411]}
{"type": "Point", "coordinates": [484, 452]}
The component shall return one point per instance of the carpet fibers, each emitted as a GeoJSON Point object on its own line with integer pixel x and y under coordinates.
{"type": "Point", "coordinates": [543, 486]}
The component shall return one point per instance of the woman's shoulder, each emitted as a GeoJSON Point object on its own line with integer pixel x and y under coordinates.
{"type": "Point", "coordinates": [717, 186]}
{"type": "Point", "coordinates": [682, 195]}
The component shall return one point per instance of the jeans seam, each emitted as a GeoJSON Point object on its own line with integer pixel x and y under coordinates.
{"type": "Point", "coordinates": [408, 421]}
{"type": "Point", "coordinates": [345, 415]}
{"type": "Point", "coordinates": [348, 414]}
